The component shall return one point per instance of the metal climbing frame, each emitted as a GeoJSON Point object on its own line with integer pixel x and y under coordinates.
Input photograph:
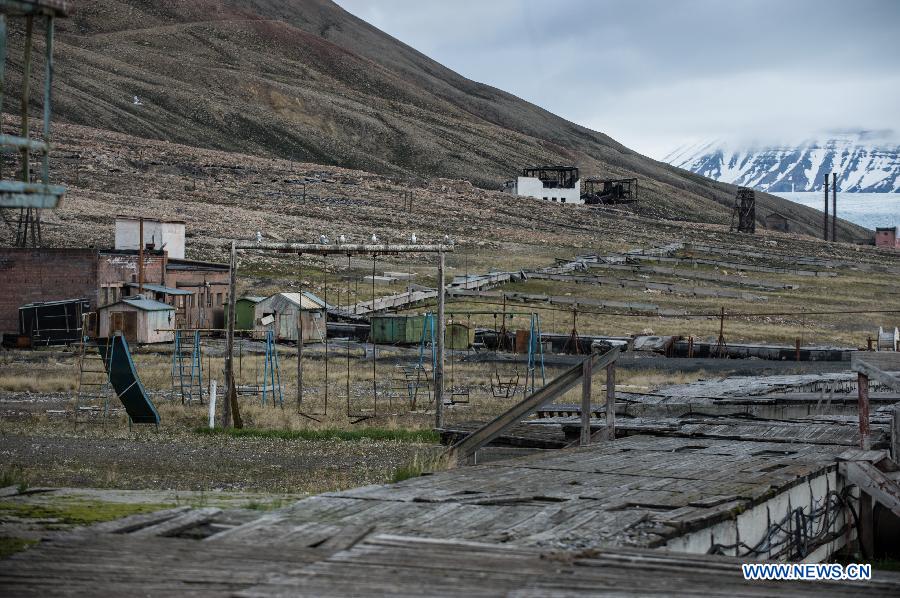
{"type": "Point", "coordinates": [230, 407]}
{"type": "Point", "coordinates": [93, 373]}
{"type": "Point", "coordinates": [535, 354]}
{"type": "Point", "coordinates": [411, 379]}
{"type": "Point", "coordinates": [271, 372]}
{"type": "Point", "coordinates": [187, 378]}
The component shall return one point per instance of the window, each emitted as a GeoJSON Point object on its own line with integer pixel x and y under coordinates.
{"type": "Point", "coordinates": [208, 299]}
{"type": "Point", "coordinates": [219, 299]}
{"type": "Point", "coordinates": [562, 199]}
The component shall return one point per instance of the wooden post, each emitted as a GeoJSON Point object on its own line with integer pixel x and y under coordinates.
{"type": "Point", "coordinates": [866, 526]}
{"type": "Point", "coordinates": [300, 361]}
{"type": "Point", "coordinates": [825, 226]}
{"type": "Point", "coordinates": [895, 433]}
{"type": "Point", "coordinates": [439, 368]}
{"type": "Point", "coordinates": [611, 401]}
{"type": "Point", "coordinates": [229, 342]}
{"type": "Point", "coordinates": [834, 206]}
{"type": "Point", "coordinates": [797, 345]}
{"type": "Point", "coordinates": [691, 346]}
{"type": "Point", "coordinates": [721, 343]}
{"type": "Point", "coordinates": [863, 383]}
{"type": "Point", "coordinates": [586, 402]}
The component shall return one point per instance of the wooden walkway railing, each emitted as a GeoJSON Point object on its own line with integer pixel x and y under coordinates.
{"type": "Point", "coordinates": [465, 449]}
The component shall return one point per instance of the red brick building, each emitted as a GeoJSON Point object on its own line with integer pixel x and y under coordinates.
{"type": "Point", "coordinates": [887, 237]}
{"type": "Point", "coordinates": [196, 289]}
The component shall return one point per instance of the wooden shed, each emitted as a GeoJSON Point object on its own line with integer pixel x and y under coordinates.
{"type": "Point", "coordinates": [283, 313]}
{"type": "Point", "coordinates": [139, 319]}
{"type": "Point", "coordinates": [779, 222]}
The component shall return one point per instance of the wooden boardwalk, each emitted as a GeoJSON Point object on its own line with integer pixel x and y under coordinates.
{"type": "Point", "coordinates": [384, 565]}
{"type": "Point", "coordinates": [637, 491]}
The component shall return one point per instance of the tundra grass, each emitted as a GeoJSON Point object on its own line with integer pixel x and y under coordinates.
{"type": "Point", "coordinates": [398, 435]}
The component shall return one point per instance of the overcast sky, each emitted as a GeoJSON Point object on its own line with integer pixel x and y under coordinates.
{"type": "Point", "coordinates": [656, 74]}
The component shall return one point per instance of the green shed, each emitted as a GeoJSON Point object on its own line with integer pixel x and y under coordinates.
{"type": "Point", "coordinates": [397, 329]}
{"type": "Point", "coordinates": [245, 313]}
{"type": "Point", "coordinates": [459, 336]}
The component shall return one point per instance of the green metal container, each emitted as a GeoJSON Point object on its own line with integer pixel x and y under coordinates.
{"type": "Point", "coordinates": [244, 312]}
{"type": "Point", "coordinates": [397, 329]}
{"type": "Point", "coordinates": [459, 336]}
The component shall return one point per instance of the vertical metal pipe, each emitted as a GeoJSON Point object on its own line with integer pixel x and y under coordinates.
{"type": "Point", "coordinates": [586, 375]}
{"type": "Point", "coordinates": [834, 206]}
{"type": "Point", "coordinates": [26, 82]}
{"type": "Point", "coordinates": [48, 98]}
{"type": "Point", "coordinates": [2, 59]}
{"type": "Point", "coordinates": [863, 384]}
{"type": "Point", "coordinates": [825, 225]}
{"type": "Point", "coordinates": [439, 370]}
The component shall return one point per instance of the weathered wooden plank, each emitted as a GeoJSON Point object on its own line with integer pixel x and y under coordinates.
{"type": "Point", "coordinates": [873, 482]}
{"type": "Point", "coordinates": [136, 522]}
{"type": "Point", "coordinates": [179, 523]}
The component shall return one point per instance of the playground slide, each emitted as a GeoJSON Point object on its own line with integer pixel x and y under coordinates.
{"type": "Point", "coordinates": [124, 380]}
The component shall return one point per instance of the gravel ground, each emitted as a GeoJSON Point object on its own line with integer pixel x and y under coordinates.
{"type": "Point", "coordinates": [47, 450]}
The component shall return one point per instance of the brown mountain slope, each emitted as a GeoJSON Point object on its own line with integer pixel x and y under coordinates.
{"type": "Point", "coordinates": [307, 81]}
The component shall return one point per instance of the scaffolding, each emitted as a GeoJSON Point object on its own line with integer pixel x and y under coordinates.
{"type": "Point", "coordinates": [20, 192]}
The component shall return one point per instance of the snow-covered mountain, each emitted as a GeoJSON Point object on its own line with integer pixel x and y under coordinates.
{"type": "Point", "coordinates": [864, 161]}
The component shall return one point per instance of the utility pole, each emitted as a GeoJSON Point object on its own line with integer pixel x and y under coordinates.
{"type": "Point", "coordinates": [230, 404]}
{"type": "Point", "coordinates": [825, 226]}
{"type": "Point", "coordinates": [141, 257]}
{"type": "Point", "coordinates": [439, 369]}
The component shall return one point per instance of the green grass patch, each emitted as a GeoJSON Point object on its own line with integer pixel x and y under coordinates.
{"type": "Point", "coordinates": [421, 464]}
{"type": "Point", "coordinates": [76, 512]}
{"type": "Point", "coordinates": [414, 436]}
{"type": "Point", "coordinates": [9, 546]}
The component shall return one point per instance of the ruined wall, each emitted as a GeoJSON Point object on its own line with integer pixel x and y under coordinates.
{"type": "Point", "coordinates": [32, 275]}
{"type": "Point", "coordinates": [209, 285]}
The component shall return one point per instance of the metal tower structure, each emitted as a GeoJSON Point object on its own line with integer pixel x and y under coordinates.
{"type": "Point", "coordinates": [744, 211]}
{"type": "Point", "coordinates": [19, 191]}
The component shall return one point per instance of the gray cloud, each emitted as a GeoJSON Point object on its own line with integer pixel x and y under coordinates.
{"type": "Point", "coordinates": [654, 74]}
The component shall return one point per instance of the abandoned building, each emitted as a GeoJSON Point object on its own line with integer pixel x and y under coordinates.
{"type": "Point", "coordinates": [286, 312]}
{"type": "Point", "coordinates": [609, 191]}
{"type": "Point", "coordinates": [552, 183]}
{"type": "Point", "coordinates": [887, 237]}
{"type": "Point", "coordinates": [158, 234]}
{"type": "Point", "coordinates": [776, 221]}
{"type": "Point", "coordinates": [139, 319]}
{"type": "Point", "coordinates": [196, 290]}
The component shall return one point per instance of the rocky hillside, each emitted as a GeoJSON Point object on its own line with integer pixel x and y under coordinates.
{"type": "Point", "coordinates": [304, 80]}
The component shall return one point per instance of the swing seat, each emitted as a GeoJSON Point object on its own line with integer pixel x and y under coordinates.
{"type": "Point", "coordinates": [504, 389]}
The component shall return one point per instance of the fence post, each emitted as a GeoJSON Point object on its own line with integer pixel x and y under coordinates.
{"type": "Point", "coordinates": [586, 375]}
{"type": "Point", "coordinates": [212, 404]}
{"type": "Point", "coordinates": [863, 384]}
{"type": "Point", "coordinates": [611, 401]}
